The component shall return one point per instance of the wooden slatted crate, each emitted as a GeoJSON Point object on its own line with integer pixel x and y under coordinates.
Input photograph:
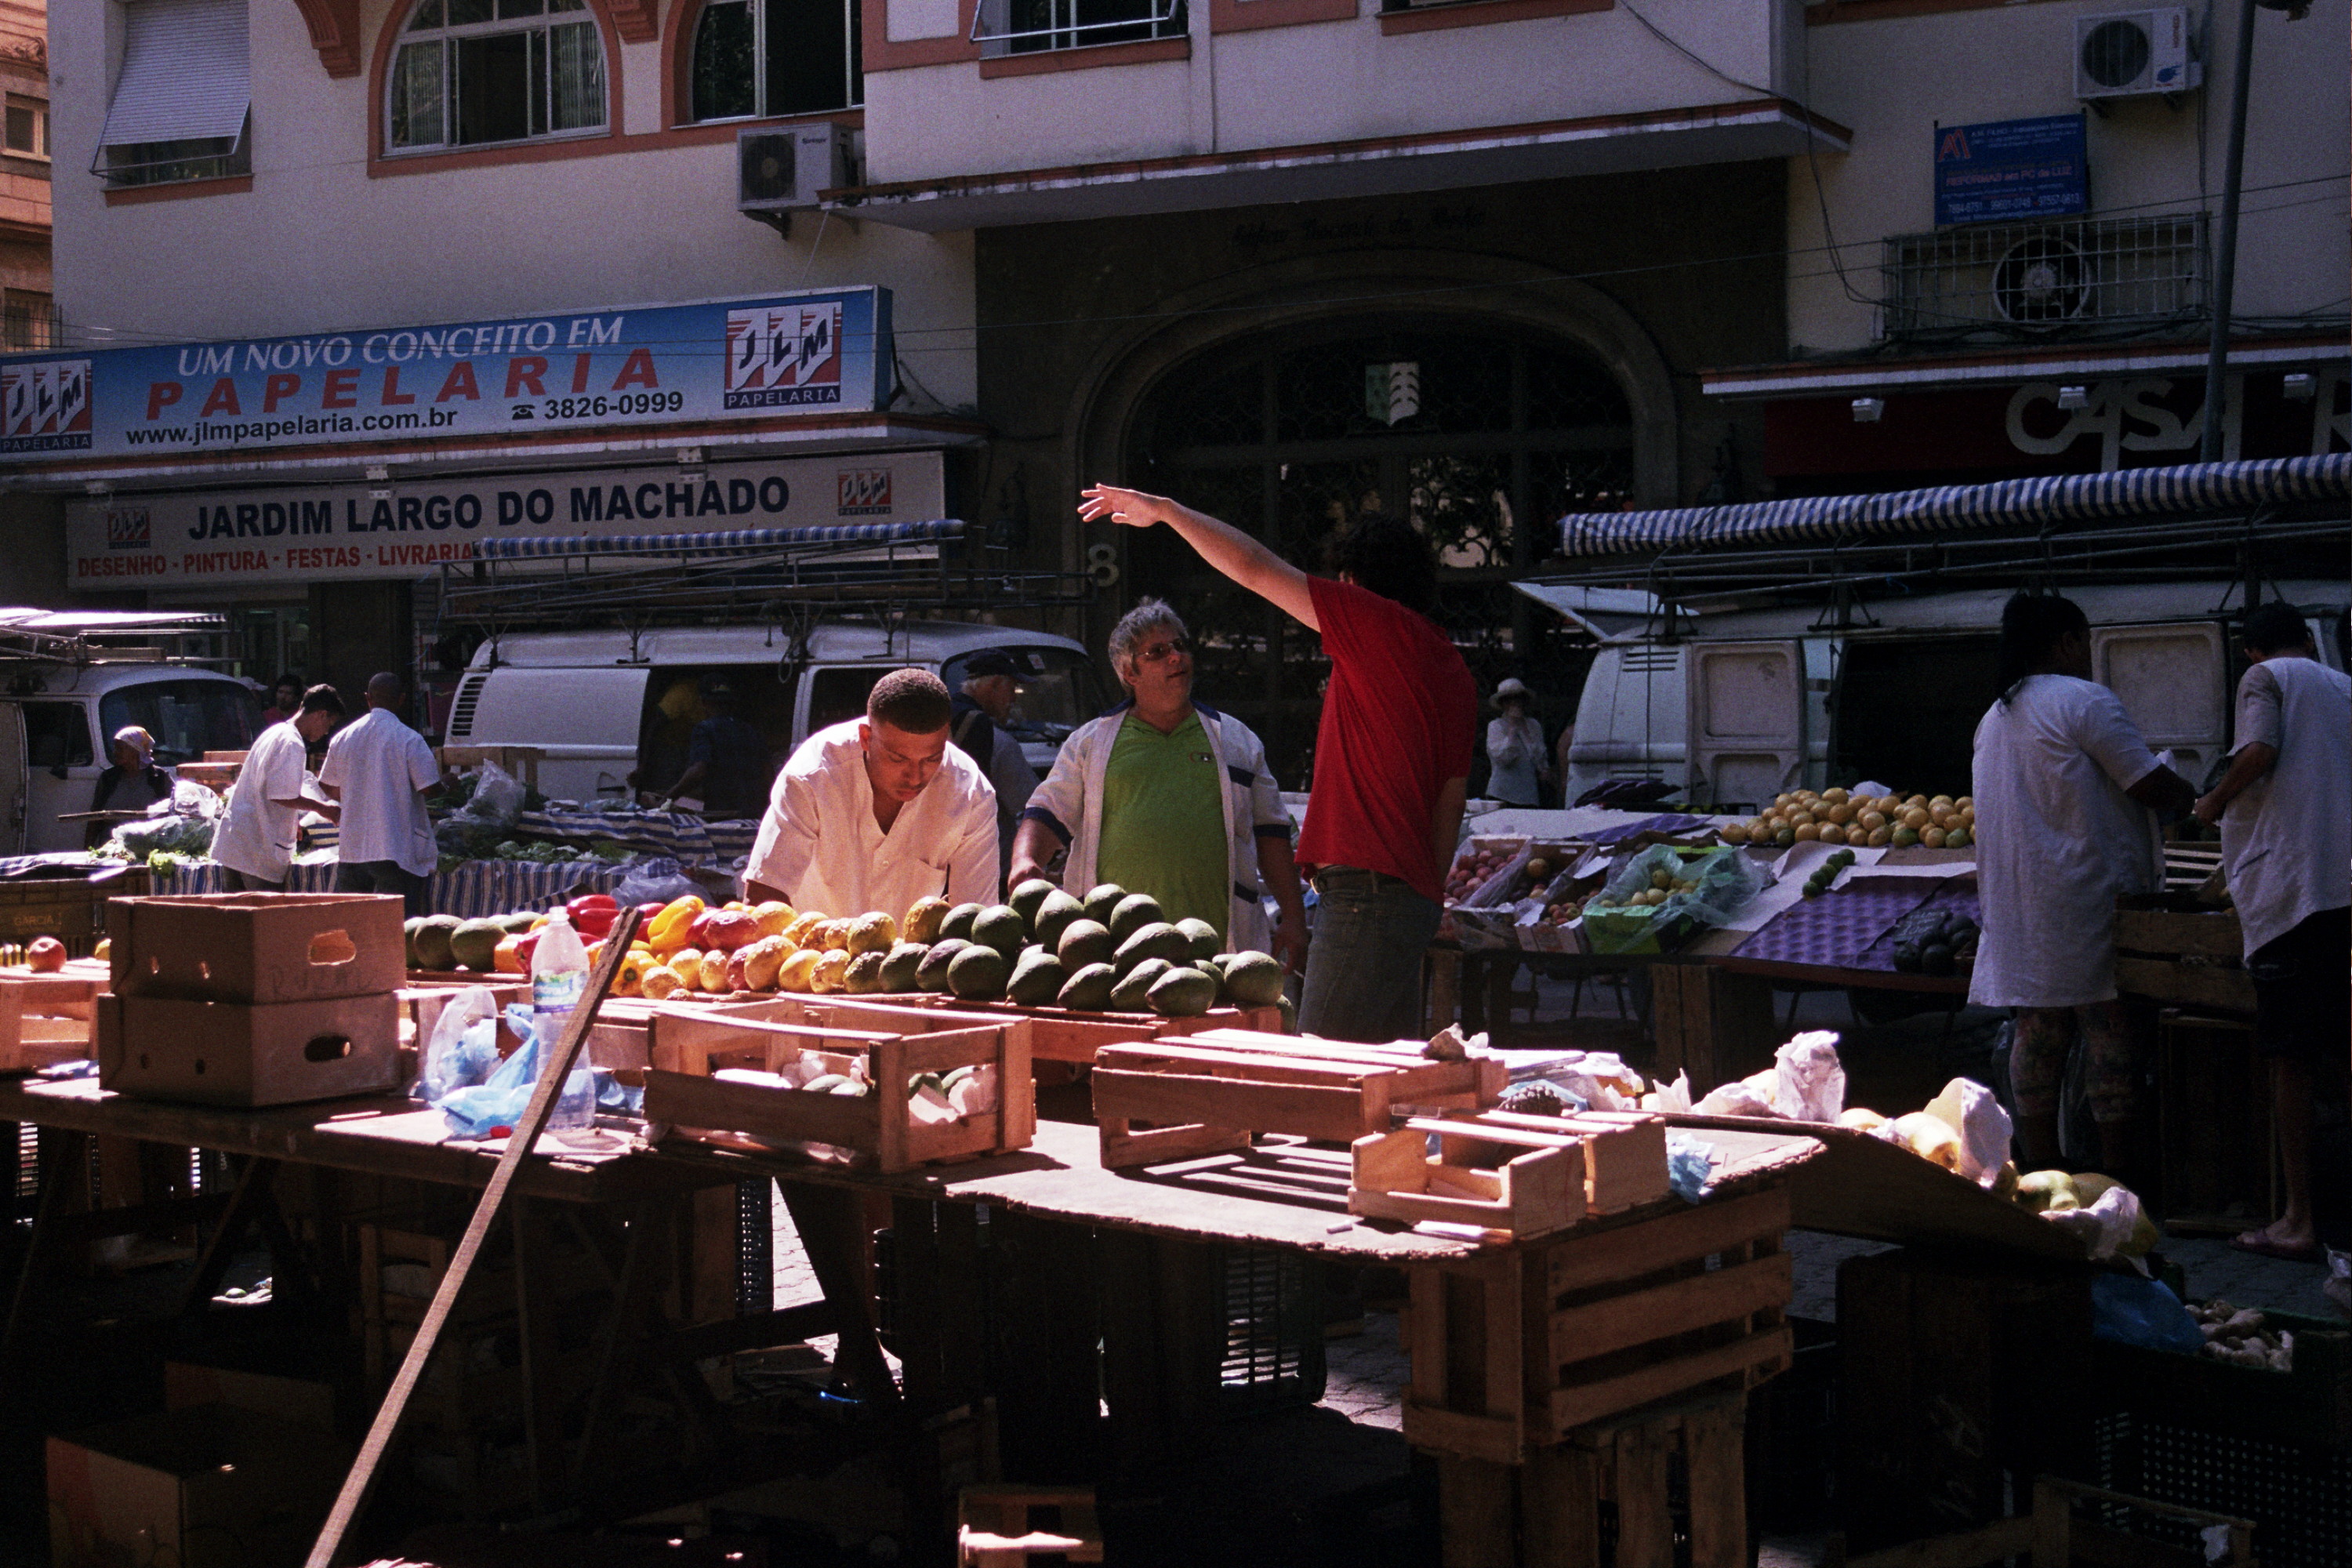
{"type": "Point", "coordinates": [878, 1130]}
{"type": "Point", "coordinates": [1065, 1034]}
{"type": "Point", "coordinates": [1524, 1175]}
{"type": "Point", "coordinates": [45, 1018]}
{"type": "Point", "coordinates": [2174, 953]}
{"type": "Point", "coordinates": [1181, 1097]}
{"type": "Point", "coordinates": [1515, 1350]}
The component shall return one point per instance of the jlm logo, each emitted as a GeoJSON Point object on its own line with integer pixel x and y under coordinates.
{"type": "Point", "coordinates": [127, 528]}
{"type": "Point", "coordinates": [864, 492]}
{"type": "Point", "coordinates": [44, 407]}
{"type": "Point", "coordinates": [784, 356]}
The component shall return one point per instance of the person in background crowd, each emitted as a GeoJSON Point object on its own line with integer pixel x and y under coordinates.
{"type": "Point", "coordinates": [726, 765]}
{"type": "Point", "coordinates": [381, 773]}
{"type": "Point", "coordinates": [981, 710]}
{"type": "Point", "coordinates": [2285, 809]}
{"type": "Point", "coordinates": [1392, 754]}
{"type": "Point", "coordinates": [1515, 749]}
{"type": "Point", "coordinates": [255, 842]}
{"type": "Point", "coordinates": [1560, 759]}
{"type": "Point", "coordinates": [285, 700]}
{"type": "Point", "coordinates": [2064, 787]}
{"type": "Point", "coordinates": [873, 814]}
{"type": "Point", "coordinates": [133, 781]}
{"type": "Point", "coordinates": [1168, 796]}
{"type": "Point", "coordinates": [668, 736]}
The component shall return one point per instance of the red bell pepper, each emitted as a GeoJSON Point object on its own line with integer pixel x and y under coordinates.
{"type": "Point", "coordinates": [593, 916]}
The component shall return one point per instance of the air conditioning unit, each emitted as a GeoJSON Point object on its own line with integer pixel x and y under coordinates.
{"type": "Point", "coordinates": [2131, 54]}
{"type": "Point", "coordinates": [781, 169]}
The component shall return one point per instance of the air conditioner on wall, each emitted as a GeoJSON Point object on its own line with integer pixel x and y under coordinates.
{"type": "Point", "coordinates": [2132, 54]}
{"type": "Point", "coordinates": [781, 170]}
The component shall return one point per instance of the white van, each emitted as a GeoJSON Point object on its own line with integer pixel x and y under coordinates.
{"type": "Point", "coordinates": [603, 705]}
{"type": "Point", "coordinates": [1744, 704]}
{"type": "Point", "coordinates": [58, 713]}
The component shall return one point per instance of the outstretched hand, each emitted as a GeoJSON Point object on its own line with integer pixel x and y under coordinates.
{"type": "Point", "coordinates": [1132, 508]}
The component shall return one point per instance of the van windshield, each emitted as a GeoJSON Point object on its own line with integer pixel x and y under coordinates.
{"type": "Point", "coordinates": [1059, 691]}
{"type": "Point", "coordinates": [187, 718]}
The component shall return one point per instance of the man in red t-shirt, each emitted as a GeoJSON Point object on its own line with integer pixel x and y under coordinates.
{"type": "Point", "coordinates": [1391, 756]}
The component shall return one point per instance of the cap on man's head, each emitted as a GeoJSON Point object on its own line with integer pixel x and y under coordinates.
{"type": "Point", "coordinates": [715, 689]}
{"type": "Point", "coordinates": [991, 661]}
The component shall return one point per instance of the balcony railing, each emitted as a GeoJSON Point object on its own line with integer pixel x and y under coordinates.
{"type": "Point", "coordinates": [1027, 26]}
{"type": "Point", "coordinates": [2043, 279]}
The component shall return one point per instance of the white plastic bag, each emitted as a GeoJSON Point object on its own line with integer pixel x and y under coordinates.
{"type": "Point", "coordinates": [1970, 1109]}
{"type": "Point", "coordinates": [1809, 1082]}
{"type": "Point", "coordinates": [448, 1060]}
{"type": "Point", "coordinates": [2105, 1226]}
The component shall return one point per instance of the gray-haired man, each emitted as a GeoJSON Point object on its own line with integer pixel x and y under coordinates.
{"type": "Point", "coordinates": [1167, 796]}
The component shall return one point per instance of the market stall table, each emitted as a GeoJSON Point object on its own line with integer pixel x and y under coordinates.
{"type": "Point", "coordinates": [469, 890]}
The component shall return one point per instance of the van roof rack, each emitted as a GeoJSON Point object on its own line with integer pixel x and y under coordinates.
{"type": "Point", "coordinates": [31, 634]}
{"type": "Point", "coordinates": [770, 576]}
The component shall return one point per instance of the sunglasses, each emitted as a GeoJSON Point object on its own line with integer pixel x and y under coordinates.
{"type": "Point", "coordinates": [1153, 653]}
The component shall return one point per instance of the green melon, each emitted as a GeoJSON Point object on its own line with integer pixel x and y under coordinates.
{"type": "Point", "coordinates": [903, 965]}
{"type": "Point", "coordinates": [1159, 940]}
{"type": "Point", "coordinates": [1254, 979]}
{"type": "Point", "coordinates": [958, 923]}
{"type": "Point", "coordinates": [978, 973]}
{"type": "Point", "coordinates": [433, 934]}
{"type": "Point", "coordinates": [1134, 912]}
{"type": "Point", "coordinates": [408, 941]}
{"type": "Point", "coordinates": [1289, 1015]}
{"type": "Point", "coordinates": [1028, 898]}
{"type": "Point", "coordinates": [1181, 993]}
{"type": "Point", "coordinates": [1132, 994]}
{"type": "Point", "coordinates": [1085, 942]}
{"type": "Point", "coordinates": [1088, 988]}
{"type": "Point", "coordinates": [931, 974]}
{"type": "Point", "coordinates": [1037, 978]}
{"type": "Point", "coordinates": [1206, 942]}
{"type": "Point", "coordinates": [475, 945]}
{"type": "Point", "coordinates": [1100, 901]}
{"type": "Point", "coordinates": [1055, 915]}
{"type": "Point", "coordinates": [999, 926]}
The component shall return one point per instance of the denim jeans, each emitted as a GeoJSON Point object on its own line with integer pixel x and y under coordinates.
{"type": "Point", "coordinates": [384, 877]}
{"type": "Point", "coordinates": [1363, 970]}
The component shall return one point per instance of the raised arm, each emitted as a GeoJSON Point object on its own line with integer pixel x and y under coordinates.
{"type": "Point", "coordinates": [1221, 544]}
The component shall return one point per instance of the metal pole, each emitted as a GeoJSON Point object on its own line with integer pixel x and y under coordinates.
{"type": "Point", "coordinates": [2225, 245]}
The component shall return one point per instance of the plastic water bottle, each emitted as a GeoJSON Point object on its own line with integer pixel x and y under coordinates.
{"type": "Point", "coordinates": [559, 974]}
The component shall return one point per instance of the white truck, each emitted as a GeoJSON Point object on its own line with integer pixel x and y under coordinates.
{"type": "Point", "coordinates": [604, 705]}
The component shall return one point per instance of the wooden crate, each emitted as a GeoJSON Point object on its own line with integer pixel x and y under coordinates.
{"type": "Point", "coordinates": [45, 1018]}
{"type": "Point", "coordinates": [1515, 1350]}
{"type": "Point", "coordinates": [1610, 1480]}
{"type": "Point", "coordinates": [71, 909]}
{"type": "Point", "coordinates": [999, 1526]}
{"type": "Point", "coordinates": [2053, 1537]}
{"type": "Point", "coordinates": [688, 1045]}
{"type": "Point", "coordinates": [2214, 1124]}
{"type": "Point", "coordinates": [1064, 1034]}
{"type": "Point", "coordinates": [2186, 956]}
{"type": "Point", "coordinates": [1206, 1093]}
{"type": "Point", "coordinates": [1524, 1175]}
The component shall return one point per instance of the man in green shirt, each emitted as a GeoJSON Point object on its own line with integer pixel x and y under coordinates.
{"type": "Point", "coordinates": [1164, 795]}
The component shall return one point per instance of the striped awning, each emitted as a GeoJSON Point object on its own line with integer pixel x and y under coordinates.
{"type": "Point", "coordinates": [873, 533]}
{"type": "Point", "coordinates": [2067, 500]}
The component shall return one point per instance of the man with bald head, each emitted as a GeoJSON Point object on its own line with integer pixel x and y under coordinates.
{"type": "Point", "coordinates": [382, 773]}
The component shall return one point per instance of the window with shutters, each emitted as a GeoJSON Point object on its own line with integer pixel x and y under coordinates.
{"type": "Point", "coordinates": [182, 100]}
{"type": "Point", "coordinates": [472, 73]}
{"type": "Point", "coordinates": [764, 57]}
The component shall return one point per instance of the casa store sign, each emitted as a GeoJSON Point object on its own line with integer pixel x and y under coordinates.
{"type": "Point", "coordinates": [2021, 430]}
{"type": "Point", "coordinates": [715, 363]}
{"type": "Point", "coordinates": [290, 535]}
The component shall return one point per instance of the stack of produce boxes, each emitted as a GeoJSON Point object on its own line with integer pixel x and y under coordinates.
{"type": "Point", "coordinates": [251, 999]}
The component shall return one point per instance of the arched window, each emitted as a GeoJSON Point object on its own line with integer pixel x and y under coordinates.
{"type": "Point", "coordinates": [472, 72]}
{"type": "Point", "coordinates": [762, 58]}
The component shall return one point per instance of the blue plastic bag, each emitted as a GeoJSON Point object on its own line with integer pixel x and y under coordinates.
{"type": "Point", "coordinates": [2131, 1310]}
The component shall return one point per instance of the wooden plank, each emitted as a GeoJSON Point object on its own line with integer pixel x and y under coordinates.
{"type": "Point", "coordinates": [2214, 933]}
{"type": "Point", "coordinates": [1475, 1512]}
{"type": "Point", "coordinates": [1560, 1508]}
{"type": "Point", "coordinates": [1714, 1460]}
{"type": "Point", "coordinates": [689, 1100]}
{"type": "Point", "coordinates": [1645, 1526]}
{"type": "Point", "coordinates": [1498, 1439]}
{"type": "Point", "coordinates": [1633, 1250]}
{"type": "Point", "coordinates": [1593, 1401]}
{"type": "Point", "coordinates": [1621, 1322]}
{"type": "Point", "coordinates": [553, 1071]}
{"type": "Point", "coordinates": [1122, 1148]}
{"type": "Point", "coordinates": [2186, 985]}
{"type": "Point", "coordinates": [1423, 1333]}
{"type": "Point", "coordinates": [1336, 1114]}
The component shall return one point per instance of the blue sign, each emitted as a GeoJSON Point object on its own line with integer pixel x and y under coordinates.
{"type": "Point", "coordinates": [2007, 170]}
{"type": "Point", "coordinates": [822, 352]}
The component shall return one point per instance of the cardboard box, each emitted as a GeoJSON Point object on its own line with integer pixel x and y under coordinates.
{"type": "Point", "coordinates": [255, 947]}
{"type": "Point", "coordinates": [229, 1053]}
{"type": "Point", "coordinates": [207, 1486]}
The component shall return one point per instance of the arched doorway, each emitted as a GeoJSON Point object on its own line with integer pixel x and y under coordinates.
{"type": "Point", "coordinates": [1480, 431]}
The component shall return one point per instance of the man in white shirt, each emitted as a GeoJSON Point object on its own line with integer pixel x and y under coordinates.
{"type": "Point", "coordinates": [381, 771]}
{"type": "Point", "coordinates": [876, 813]}
{"type": "Point", "coordinates": [255, 842]}
{"type": "Point", "coordinates": [2285, 813]}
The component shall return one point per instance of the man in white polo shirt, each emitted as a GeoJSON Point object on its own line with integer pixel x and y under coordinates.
{"type": "Point", "coordinates": [381, 771]}
{"type": "Point", "coordinates": [255, 842]}
{"type": "Point", "coordinates": [876, 813]}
